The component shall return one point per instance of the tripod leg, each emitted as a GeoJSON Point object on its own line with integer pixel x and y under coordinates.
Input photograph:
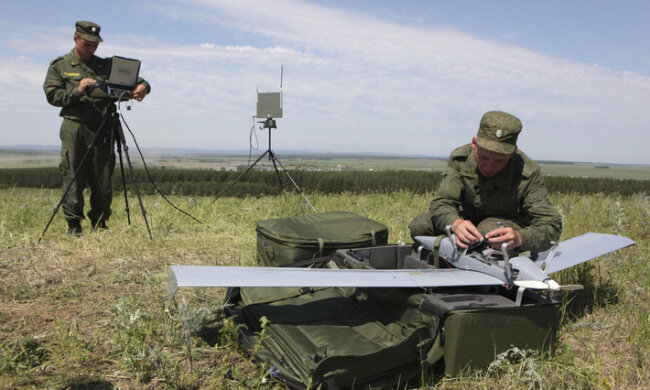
{"type": "Point", "coordinates": [240, 176]}
{"type": "Point", "coordinates": [118, 145]}
{"type": "Point", "coordinates": [277, 173]}
{"type": "Point", "coordinates": [291, 179]}
{"type": "Point", "coordinates": [100, 131]}
{"type": "Point", "coordinates": [120, 134]}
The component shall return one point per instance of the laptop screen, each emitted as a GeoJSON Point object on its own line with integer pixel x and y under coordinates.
{"type": "Point", "coordinates": [123, 73]}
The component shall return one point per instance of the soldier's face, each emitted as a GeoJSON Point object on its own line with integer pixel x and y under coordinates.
{"type": "Point", "coordinates": [489, 162]}
{"type": "Point", "coordinates": [84, 49]}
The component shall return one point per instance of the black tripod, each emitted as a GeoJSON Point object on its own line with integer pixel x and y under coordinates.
{"type": "Point", "coordinates": [109, 127]}
{"type": "Point", "coordinates": [269, 124]}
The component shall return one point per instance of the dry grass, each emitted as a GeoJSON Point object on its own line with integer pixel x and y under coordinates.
{"type": "Point", "coordinates": [90, 311]}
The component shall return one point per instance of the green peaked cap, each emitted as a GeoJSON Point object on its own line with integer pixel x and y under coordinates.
{"type": "Point", "coordinates": [498, 132]}
{"type": "Point", "coordinates": [88, 31]}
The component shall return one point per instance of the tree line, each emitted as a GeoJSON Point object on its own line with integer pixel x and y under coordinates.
{"type": "Point", "coordinates": [207, 182]}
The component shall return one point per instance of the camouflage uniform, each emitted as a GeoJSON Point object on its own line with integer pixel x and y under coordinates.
{"type": "Point", "coordinates": [82, 117]}
{"type": "Point", "coordinates": [516, 196]}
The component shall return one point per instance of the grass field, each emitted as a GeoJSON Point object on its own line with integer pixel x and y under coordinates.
{"type": "Point", "coordinates": [90, 312]}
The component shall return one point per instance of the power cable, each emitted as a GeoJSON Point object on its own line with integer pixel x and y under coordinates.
{"type": "Point", "coordinates": [146, 169]}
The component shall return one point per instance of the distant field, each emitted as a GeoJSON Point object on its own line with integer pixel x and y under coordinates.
{"type": "Point", "coordinates": [43, 158]}
{"type": "Point", "coordinates": [618, 171]}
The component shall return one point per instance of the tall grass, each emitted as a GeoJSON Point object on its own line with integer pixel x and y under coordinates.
{"type": "Point", "coordinates": [91, 311]}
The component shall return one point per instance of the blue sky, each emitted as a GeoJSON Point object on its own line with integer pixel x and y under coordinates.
{"type": "Point", "coordinates": [408, 77]}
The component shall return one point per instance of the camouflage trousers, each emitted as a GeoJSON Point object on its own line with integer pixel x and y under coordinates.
{"type": "Point", "coordinates": [422, 225]}
{"type": "Point", "coordinates": [76, 138]}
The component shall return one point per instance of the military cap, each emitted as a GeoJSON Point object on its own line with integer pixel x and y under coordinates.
{"type": "Point", "coordinates": [498, 132]}
{"type": "Point", "coordinates": [88, 31]}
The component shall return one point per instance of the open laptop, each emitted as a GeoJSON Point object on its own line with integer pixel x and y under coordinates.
{"type": "Point", "coordinates": [123, 74]}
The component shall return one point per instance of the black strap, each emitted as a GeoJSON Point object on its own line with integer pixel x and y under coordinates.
{"type": "Point", "coordinates": [329, 381]}
{"type": "Point", "coordinates": [306, 290]}
{"type": "Point", "coordinates": [308, 262]}
{"type": "Point", "coordinates": [321, 353]}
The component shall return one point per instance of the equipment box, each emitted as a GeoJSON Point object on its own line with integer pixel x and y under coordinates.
{"type": "Point", "coordinates": [476, 323]}
{"type": "Point", "coordinates": [287, 240]}
{"type": "Point", "coordinates": [347, 337]}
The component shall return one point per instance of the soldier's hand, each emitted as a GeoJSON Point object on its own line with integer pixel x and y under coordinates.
{"type": "Point", "coordinates": [466, 233]}
{"type": "Point", "coordinates": [139, 92]}
{"type": "Point", "coordinates": [85, 83]}
{"type": "Point", "coordinates": [507, 234]}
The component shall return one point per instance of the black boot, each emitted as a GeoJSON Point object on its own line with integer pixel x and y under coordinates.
{"type": "Point", "coordinates": [74, 226]}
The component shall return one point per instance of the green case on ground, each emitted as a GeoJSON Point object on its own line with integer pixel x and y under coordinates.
{"type": "Point", "coordinates": [472, 338]}
{"type": "Point", "coordinates": [476, 323]}
{"type": "Point", "coordinates": [334, 338]}
{"type": "Point", "coordinates": [287, 240]}
{"type": "Point", "coordinates": [344, 338]}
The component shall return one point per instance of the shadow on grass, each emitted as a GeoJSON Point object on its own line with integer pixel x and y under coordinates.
{"type": "Point", "coordinates": [211, 334]}
{"type": "Point", "coordinates": [597, 293]}
{"type": "Point", "coordinates": [89, 385]}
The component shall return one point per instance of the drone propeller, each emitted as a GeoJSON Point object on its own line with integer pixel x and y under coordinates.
{"type": "Point", "coordinates": [549, 284]}
{"type": "Point", "coordinates": [532, 284]}
{"type": "Point", "coordinates": [571, 287]}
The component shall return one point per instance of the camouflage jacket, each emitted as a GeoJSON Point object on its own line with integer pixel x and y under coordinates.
{"type": "Point", "coordinates": [516, 192]}
{"type": "Point", "coordinates": [62, 81]}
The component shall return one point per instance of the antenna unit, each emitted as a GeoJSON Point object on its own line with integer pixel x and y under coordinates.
{"type": "Point", "coordinates": [269, 104]}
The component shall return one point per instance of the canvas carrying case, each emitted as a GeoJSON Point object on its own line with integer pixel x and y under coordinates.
{"type": "Point", "coordinates": [286, 240]}
{"type": "Point", "coordinates": [338, 338]}
{"type": "Point", "coordinates": [475, 323]}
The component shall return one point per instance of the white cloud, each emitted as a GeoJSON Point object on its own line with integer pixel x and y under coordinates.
{"type": "Point", "coordinates": [353, 83]}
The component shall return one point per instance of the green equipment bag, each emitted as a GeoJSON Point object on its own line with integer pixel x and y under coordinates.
{"type": "Point", "coordinates": [475, 323]}
{"type": "Point", "coordinates": [337, 338]}
{"type": "Point", "coordinates": [286, 240]}
{"type": "Point", "coordinates": [473, 337]}
{"type": "Point", "coordinates": [344, 338]}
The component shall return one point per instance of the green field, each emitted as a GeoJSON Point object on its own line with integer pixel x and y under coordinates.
{"type": "Point", "coordinates": [43, 158]}
{"type": "Point", "coordinates": [91, 312]}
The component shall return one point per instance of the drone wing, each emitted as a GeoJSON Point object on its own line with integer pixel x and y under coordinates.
{"type": "Point", "coordinates": [580, 249]}
{"type": "Point", "coordinates": [212, 276]}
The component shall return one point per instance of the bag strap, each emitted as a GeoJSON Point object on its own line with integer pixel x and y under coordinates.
{"type": "Point", "coordinates": [307, 262]}
{"type": "Point", "coordinates": [436, 351]}
{"type": "Point", "coordinates": [436, 251]}
{"type": "Point", "coordinates": [330, 382]}
{"type": "Point", "coordinates": [321, 246]}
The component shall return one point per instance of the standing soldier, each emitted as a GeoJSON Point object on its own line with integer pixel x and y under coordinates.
{"type": "Point", "coordinates": [491, 181]}
{"type": "Point", "coordinates": [67, 85]}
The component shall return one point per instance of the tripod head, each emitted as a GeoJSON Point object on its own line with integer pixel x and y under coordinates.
{"type": "Point", "coordinates": [269, 123]}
